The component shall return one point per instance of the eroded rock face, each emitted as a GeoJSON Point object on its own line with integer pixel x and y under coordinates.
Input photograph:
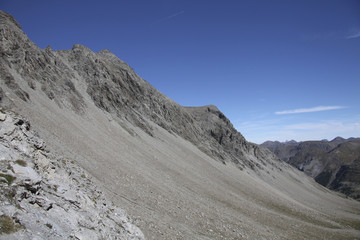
{"type": "Point", "coordinates": [45, 196]}
{"type": "Point", "coordinates": [94, 109]}
{"type": "Point", "coordinates": [225, 142]}
{"type": "Point", "coordinates": [114, 87]}
{"type": "Point", "coordinates": [38, 68]}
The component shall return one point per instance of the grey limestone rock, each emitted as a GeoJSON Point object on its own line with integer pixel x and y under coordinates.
{"type": "Point", "coordinates": [45, 196]}
{"type": "Point", "coordinates": [145, 151]}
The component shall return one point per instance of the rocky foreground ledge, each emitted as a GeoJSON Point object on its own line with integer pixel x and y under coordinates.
{"type": "Point", "coordinates": [45, 196]}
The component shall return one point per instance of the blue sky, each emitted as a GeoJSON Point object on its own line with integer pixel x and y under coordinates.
{"type": "Point", "coordinates": [279, 70]}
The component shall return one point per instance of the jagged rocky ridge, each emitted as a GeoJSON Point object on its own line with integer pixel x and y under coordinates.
{"type": "Point", "coordinates": [117, 89]}
{"type": "Point", "coordinates": [46, 196]}
{"type": "Point", "coordinates": [334, 164]}
{"type": "Point", "coordinates": [143, 150]}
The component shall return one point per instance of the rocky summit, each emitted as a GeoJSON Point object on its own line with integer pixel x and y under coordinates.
{"type": "Point", "coordinates": [103, 139]}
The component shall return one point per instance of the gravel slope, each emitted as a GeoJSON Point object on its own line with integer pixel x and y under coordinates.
{"type": "Point", "coordinates": [172, 168]}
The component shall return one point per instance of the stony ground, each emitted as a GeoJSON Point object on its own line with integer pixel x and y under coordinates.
{"type": "Point", "coordinates": [183, 173]}
{"type": "Point", "coordinates": [46, 196]}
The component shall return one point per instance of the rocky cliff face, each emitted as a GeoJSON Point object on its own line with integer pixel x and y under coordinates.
{"type": "Point", "coordinates": [72, 79]}
{"type": "Point", "coordinates": [224, 142]}
{"type": "Point", "coordinates": [46, 196]}
{"type": "Point", "coordinates": [115, 88]}
{"type": "Point", "coordinates": [182, 173]}
{"type": "Point", "coordinates": [333, 164]}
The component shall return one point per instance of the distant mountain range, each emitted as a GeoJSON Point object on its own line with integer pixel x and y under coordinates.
{"type": "Point", "coordinates": [334, 164]}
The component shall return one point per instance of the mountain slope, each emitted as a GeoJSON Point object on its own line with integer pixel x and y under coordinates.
{"type": "Point", "coordinates": [46, 196]}
{"type": "Point", "coordinates": [112, 86]}
{"type": "Point", "coordinates": [333, 164]}
{"type": "Point", "coordinates": [282, 150]}
{"type": "Point", "coordinates": [183, 173]}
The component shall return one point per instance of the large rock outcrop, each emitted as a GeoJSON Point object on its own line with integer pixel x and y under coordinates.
{"type": "Point", "coordinates": [47, 196]}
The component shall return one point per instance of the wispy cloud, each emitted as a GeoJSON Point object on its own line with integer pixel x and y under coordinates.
{"type": "Point", "coordinates": [353, 34]}
{"type": "Point", "coordinates": [311, 126]}
{"type": "Point", "coordinates": [321, 130]}
{"type": "Point", "coordinates": [307, 110]}
{"type": "Point", "coordinates": [319, 36]}
{"type": "Point", "coordinates": [169, 17]}
{"type": "Point", "coordinates": [259, 133]}
{"type": "Point", "coordinates": [332, 35]}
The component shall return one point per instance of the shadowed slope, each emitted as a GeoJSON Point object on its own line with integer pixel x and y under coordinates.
{"type": "Point", "coordinates": [333, 164]}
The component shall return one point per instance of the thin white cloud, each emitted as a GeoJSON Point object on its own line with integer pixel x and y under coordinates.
{"type": "Point", "coordinates": [354, 34]}
{"type": "Point", "coordinates": [307, 110]}
{"type": "Point", "coordinates": [326, 125]}
{"type": "Point", "coordinates": [169, 17]}
{"type": "Point", "coordinates": [319, 36]}
{"type": "Point", "coordinates": [302, 131]}
{"type": "Point", "coordinates": [332, 35]}
{"type": "Point", "coordinates": [320, 130]}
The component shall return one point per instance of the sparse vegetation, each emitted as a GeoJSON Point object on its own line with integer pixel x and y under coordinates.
{"type": "Point", "coordinates": [10, 194]}
{"type": "Point", "coordinates": [7, 225]}
{"type": "Point", "coordinates": [9, 167]}
{"type": "Point", "coordinates": [9, 179]}
{"type": "Point", "coordinates": [21, 162]}
{"type": "Point", "coordinates": [49, 225]}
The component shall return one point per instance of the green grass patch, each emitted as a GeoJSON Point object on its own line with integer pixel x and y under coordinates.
{"type": "Point", "coordinates": [7, 225]}
{"type": "Point", "coordinates": [21, 162]}
{"type": "Point", "coordinates": [9, 179]}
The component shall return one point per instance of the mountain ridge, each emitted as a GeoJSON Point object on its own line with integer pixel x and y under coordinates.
{"type": "Point", "coordinates": [122, 92]}
{"type": "Point", "coordinates": [328, 162]}
{"type": "Point", "coordinates": [175, 169]}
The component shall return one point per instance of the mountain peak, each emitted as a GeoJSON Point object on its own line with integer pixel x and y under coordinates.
{"type": "Point", "coordinates": [338, 139]}
{"type": "Point", "coordinates": [173, 167]}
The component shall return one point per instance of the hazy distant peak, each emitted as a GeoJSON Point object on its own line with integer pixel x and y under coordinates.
{"type": "Point", "coordinates": [338, 139]}
{"type": "Point", "coordinates": [291, 142]}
